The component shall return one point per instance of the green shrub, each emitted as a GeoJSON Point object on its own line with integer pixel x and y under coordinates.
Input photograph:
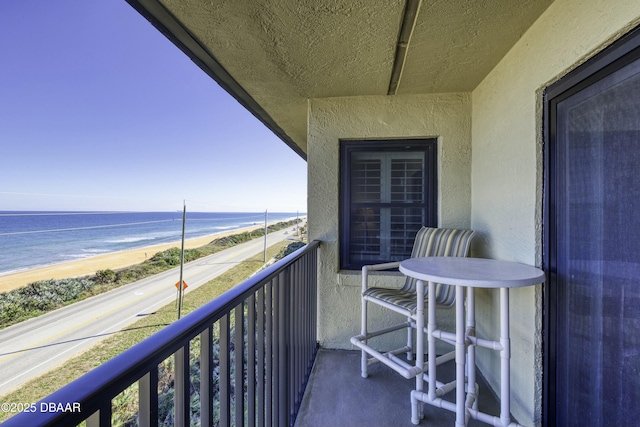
{"type": "Point", "coordinates": [131, 274]}
{"type": "Point", "coordinates": [291, 248]}
{"type": "Point", "coordinates": [104, 277]}
{"type": "Point", "coordinates": [35, 298]}
{"type": "Point", "coordinates": [169, 257]}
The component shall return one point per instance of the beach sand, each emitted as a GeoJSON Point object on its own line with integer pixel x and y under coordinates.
{"type": "Point", "coordinates": [113, 261]}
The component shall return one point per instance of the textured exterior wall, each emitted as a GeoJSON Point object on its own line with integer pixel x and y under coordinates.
{"type": "Point", "coordinates": [446, 117]}
{"type": "Point", "coordinates": [507, 171]}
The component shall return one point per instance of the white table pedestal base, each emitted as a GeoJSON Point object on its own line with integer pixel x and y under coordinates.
{"type": "Point", "coordinates": [465, 274]}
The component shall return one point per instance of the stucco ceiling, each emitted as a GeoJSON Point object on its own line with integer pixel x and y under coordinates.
{"type": "Point", "coordinates": [275, 55]}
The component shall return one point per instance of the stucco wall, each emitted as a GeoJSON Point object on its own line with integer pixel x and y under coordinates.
{"type": "Point", "coordinates": [447, 117]}
{"type": "Point", "coordinates": [507, 170]}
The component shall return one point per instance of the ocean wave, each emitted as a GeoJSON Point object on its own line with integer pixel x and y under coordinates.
{"type": "Point", "coordinates": [76, 256]}
{"type": "Point", "coordinates": [249, 223]}
{"type": "Point", "coordinates": [15, 270]}
{"type": "Point", "coordinates": [215, 230]}
{"type": "Point", "coordinates": [61, 259]}
{"type": "Point", "coordinates": [161, 236]}
{"type": "Point", "coordinates": [205, 231]}
{"type": "Point", "coordinates": [228, 227]}
{"type": "Point", "coordinates": [131, 239]}
{"type": "Point", "coordinates": [96, 251]}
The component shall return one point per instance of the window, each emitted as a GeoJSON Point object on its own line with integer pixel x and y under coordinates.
{"type": "Point", "coordinates": [388, 190]}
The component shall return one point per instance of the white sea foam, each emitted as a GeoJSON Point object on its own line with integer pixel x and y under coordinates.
{"type": "Point", "coordinates": [145, 237]}
{"type": "Point", "coordinates": [76, 256]}
{"type": "Point", "coordinates": [17, 270]}
{"type": "Point", "coordinates": [228, 227]}
{"type": "Point", "coordinates": [131, 239]}
{"type": "Point", "coordinates": [96, 251]}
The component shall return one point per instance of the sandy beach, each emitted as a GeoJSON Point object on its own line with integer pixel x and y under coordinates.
{"type": "Point", "coordinates": [115, 260]}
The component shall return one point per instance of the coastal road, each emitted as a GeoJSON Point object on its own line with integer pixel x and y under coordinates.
{"type": "Point", "coordinates": [33, 347]}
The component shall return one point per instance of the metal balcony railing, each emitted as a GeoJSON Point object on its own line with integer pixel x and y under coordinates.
{"type": "Point", "coordinates": [257, 343]}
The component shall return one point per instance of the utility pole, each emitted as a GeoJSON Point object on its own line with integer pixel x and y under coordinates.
{"type": "Point", "coordinates": [265, 236]}
{"type": "Point", "coordinates": [181, 282]}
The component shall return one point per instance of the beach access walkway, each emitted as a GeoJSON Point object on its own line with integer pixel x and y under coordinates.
{"type": "Point", "coordinates": [33, 347]}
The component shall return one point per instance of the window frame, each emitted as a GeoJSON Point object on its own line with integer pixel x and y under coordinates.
{"type": "Point", "coordinates": [426, 146]}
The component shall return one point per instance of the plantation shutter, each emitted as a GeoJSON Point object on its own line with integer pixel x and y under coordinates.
{"type": "Point", "coordinates": [388, 204]}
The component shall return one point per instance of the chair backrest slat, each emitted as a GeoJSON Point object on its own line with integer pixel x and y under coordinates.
{"type": "Point", "coordinates": [440, 242]}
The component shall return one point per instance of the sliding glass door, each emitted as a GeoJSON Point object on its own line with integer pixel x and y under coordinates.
{"type": "Point", "coordinates": [593, 249]}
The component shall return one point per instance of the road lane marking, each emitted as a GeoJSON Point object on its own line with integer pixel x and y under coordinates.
{"type": "Point", "coordinates": [104, 331]}
{"type": "Point", "coordinates": [50, 340]}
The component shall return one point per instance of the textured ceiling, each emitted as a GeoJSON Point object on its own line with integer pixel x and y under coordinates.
{"type": "Point", "coordinates": [285, 52]}
{"type": "Point", "coordinates": [456, 43]}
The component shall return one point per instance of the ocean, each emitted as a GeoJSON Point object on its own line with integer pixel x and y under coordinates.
{"type": "Point", "coordinates": [35, 239]}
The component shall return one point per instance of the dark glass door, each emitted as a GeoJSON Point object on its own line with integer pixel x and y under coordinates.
{"type": "Point", "coordinates": [594, 248]}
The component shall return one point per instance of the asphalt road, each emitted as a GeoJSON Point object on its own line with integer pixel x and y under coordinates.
{"type": "Point", "coordinates": [33, 347]}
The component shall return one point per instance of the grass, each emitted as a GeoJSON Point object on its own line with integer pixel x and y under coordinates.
{"type": "Point", "coordinates": [117, 343]}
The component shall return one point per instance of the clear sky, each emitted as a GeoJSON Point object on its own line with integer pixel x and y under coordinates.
{"type": "Point", "coordinates": [99, 111]}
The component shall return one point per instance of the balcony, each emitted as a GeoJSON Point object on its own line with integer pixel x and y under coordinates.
{"type": "Point", "coordinates": [271, 318]}
{"type": "Point", "coordinates": [336, 395]}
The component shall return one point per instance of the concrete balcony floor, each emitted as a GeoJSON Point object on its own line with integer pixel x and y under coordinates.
{"type": "Point", "coordinates": [338, 396]}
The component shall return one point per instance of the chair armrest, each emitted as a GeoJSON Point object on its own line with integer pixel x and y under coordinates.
{"type": "Point", "coordinates": [375, 267]}
{"type": "Point", "coordinates": [385, 266]}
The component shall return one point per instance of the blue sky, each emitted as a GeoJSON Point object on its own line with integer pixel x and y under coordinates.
{"type": "Point", "coordinates": [99, 111]}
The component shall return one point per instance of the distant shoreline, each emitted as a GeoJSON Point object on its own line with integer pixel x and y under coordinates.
{"type": "Point", "coordinates": [112, 260]}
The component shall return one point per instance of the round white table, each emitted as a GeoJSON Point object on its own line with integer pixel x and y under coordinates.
{"type": "Point", "coordinates": [464, 273]}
